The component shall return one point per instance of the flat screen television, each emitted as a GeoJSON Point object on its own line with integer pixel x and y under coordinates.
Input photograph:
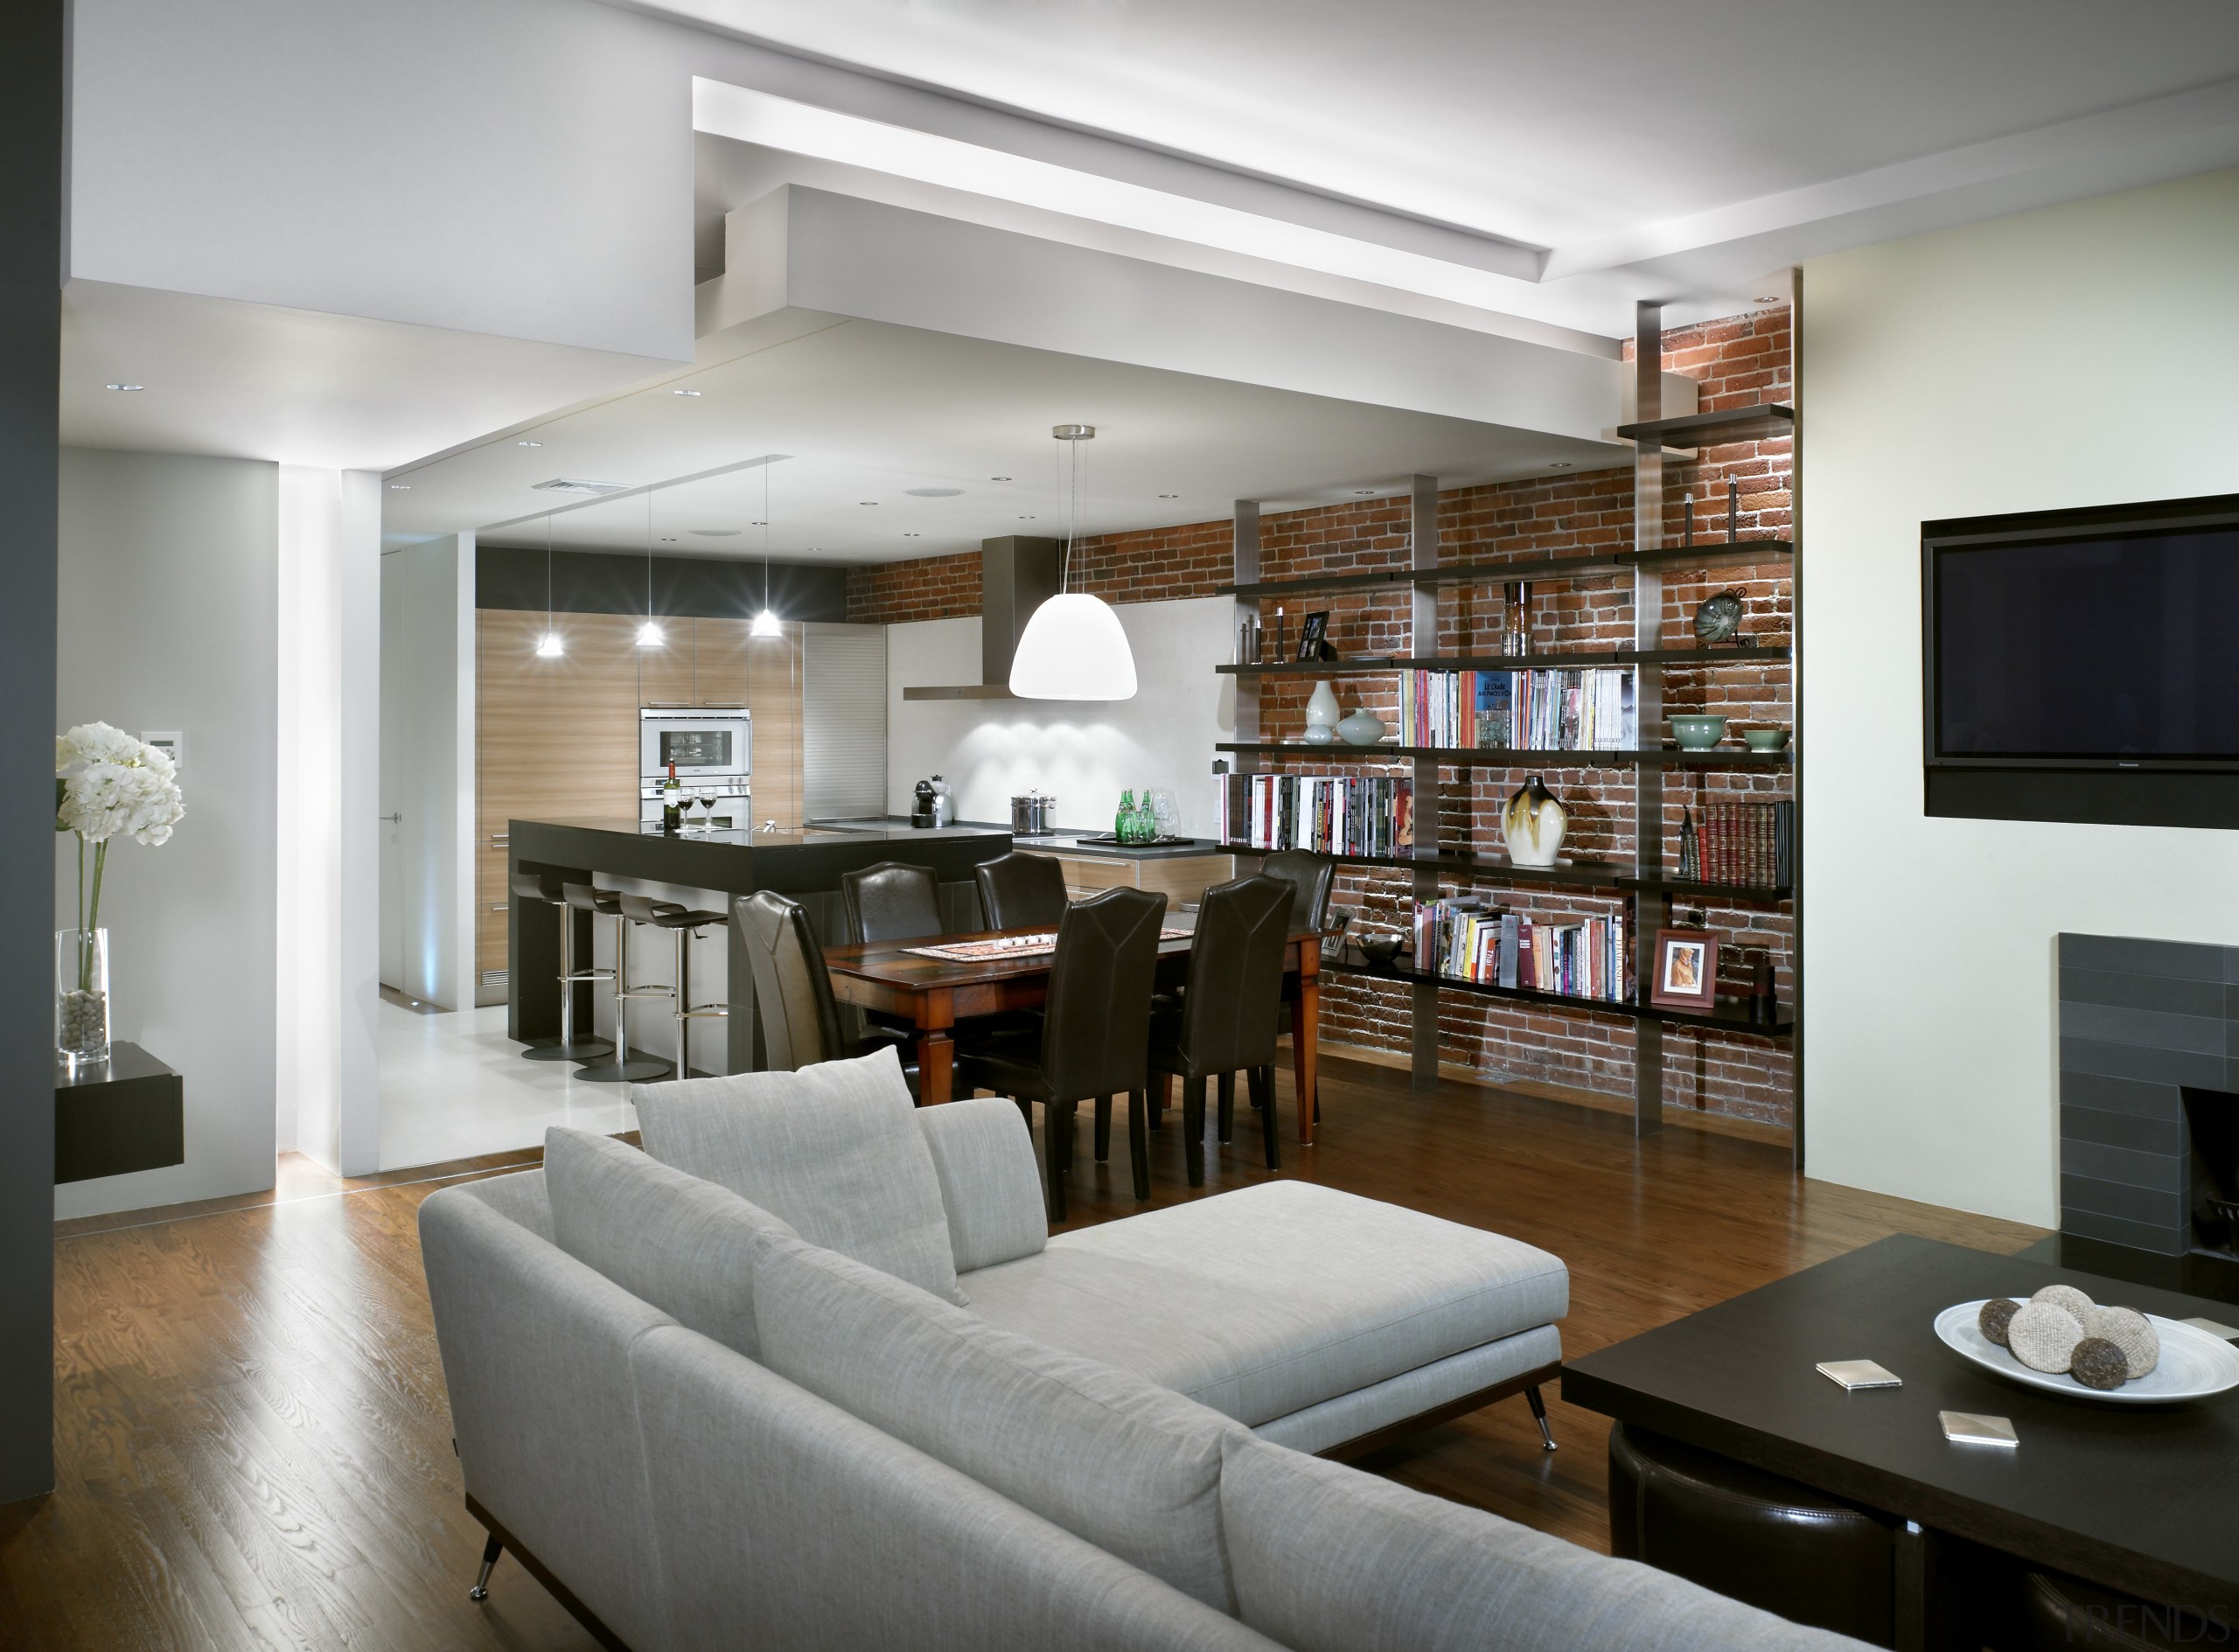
{"type": "Point", "coordinates": [2097, 640]}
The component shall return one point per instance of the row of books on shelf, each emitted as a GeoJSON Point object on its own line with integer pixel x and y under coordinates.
{"type": "Point", "coordinates": [1584, 710]}
{"type": "Point", "coordinates": [1465, 940]}
{"type": "Point", "coordinates": [1328, 814]}
{"type": "Point", "coordinates": [1739, 843]}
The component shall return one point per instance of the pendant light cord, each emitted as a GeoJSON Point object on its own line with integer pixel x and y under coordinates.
{"type": "Point", "coordinates": [765, 536]}
{"type": "Point", "coordinates": [548, 574]}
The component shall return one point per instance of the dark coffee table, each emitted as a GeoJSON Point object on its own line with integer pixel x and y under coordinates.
{"type": "Point", "coordinates": [2137, 1498]}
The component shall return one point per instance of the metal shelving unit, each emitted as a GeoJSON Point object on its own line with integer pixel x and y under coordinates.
{"type": "Point", "coordinates": [1644, 881]}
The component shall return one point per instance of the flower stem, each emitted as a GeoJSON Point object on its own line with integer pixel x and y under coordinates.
{"type": "Point", "coordinates": [101, 861]}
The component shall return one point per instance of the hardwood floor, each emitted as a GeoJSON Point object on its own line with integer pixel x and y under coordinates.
{"type": "Point", "coordinates": [254, 1449]}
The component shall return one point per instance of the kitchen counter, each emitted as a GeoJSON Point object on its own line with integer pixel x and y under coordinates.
{"type": "Point", "coordinates": [805, 865]}
{"type": "Point", "coordinates": [1072, 843]}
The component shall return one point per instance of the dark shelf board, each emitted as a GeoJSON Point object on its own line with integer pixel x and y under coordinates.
{"type": "Point", "coordinates": [1560, 659]}
{"type": "Point", "coordinates": [1703, 554]}
{"type": "Point", "coordinates": [1732, 1014]}
{"type": "Point", "coordinates": [1605, 879]}
{"type": "Point", "coordinates": [1752, 424]}
{"type": "Point", "coordinates": [127, 1114]}
{"type": "Point", "coordinates": [1504, 757]}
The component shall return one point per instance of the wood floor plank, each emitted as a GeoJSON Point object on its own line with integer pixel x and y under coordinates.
{"type": "Point", "coordinates": [254, 1445]}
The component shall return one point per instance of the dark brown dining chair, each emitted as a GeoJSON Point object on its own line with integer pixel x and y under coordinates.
{"type": "Point", "coordinates": [1022, 892]}
{"type": "Point", "coordinates": [1094, 1038]}
{"type": "Point", "coordinates": [1308, 876]}
{"type": "Point", "coordinates": [892, 900]}
{"type": "Point", "coordinates": [793, 987]}
{"type": "Point", "coordinates": [1231, 1007]}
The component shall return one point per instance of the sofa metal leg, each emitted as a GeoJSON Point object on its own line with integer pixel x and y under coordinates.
{"type": "Point", "coordinates": [1103, 1129]}
{"type": "Point", "coordinates": [1228, 1106]}
{"type": "Point", "coordinates": [1193, 1129]}
{"type": "Point", "coordinates": [1263, 1098]}
{"type": "Point", "coordinates": [490, 1551]}
{"type": "Point", "coordinates": [1539, 1415]}
{"type": "Point", "coordinates": [1139, 1141]}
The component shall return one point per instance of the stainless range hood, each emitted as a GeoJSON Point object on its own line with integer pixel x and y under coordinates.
{"type": "Point", "coordinates": [1017, 575]}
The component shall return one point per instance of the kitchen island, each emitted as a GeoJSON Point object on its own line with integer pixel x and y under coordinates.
{"type": "Point", "coordinates": [805, 865]}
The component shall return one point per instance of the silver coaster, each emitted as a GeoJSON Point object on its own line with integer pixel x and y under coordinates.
{"type": "Point", "coordinates": [1965, 1428]}
{"type": "Point", "coordinates": [1858, 1373]}
{"type": "Point", "coordinates": [2213, 1328]}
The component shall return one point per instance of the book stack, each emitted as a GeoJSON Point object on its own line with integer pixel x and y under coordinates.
{"type": "Point", "coordinates": [1328, 814]}
{"type": "Point", "coordinates": [1464, 940]}
{"type": "Point", "coordinates": [1747, 843]}
{"type": "Point", "coordinates": [1586, 710]}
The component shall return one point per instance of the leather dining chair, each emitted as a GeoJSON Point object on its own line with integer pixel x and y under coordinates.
{"type": "Point", "coordinates": [1022, 892]}
{"type": "Point", "coordinates": [1094, 1039]}
{"type": "Point", "coordinates": [892, 900]}
{"type": "Point", "coordinates": [1230, 1011]}
{"type": "Point", "coordinates": [1308, 876]}
{"type": "Point", "coordinates": [793, 988]}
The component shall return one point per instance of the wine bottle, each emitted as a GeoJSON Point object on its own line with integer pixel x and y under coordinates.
{"type": "Point", "coordinates": [671, 804]}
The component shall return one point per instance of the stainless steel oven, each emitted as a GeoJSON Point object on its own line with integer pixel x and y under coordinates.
{"type": "Point", "coordinates": [713, 749]}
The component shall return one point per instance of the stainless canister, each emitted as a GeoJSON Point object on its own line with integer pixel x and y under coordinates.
{"type": "Point", "coordinates": [1033, 815]}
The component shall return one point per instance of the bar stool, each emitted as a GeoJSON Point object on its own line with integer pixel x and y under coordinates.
{"type": "Point", "coordinates": [687, 926]}
{"type": "Point", "coordinates": [622, 1069]}
{"type": "Point", "coordinates": [545, 886]}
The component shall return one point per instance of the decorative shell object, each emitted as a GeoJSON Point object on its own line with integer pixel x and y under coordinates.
{"type": "Point", "coordinates": [2067, 1297]}
{"type": "Point", "coordinates": [1533, 825]}
{"type": "Point", "coordinates": [2098, 1363]}
{"type": "Point", "coordinates": [1996, 1314]}
{"type": "Point", "coordinates": [2132, 1332]}
{"type": "Point", "coordinates": [2043, 1335]}
{"type": "Point", "coordinates": [1719, 618]}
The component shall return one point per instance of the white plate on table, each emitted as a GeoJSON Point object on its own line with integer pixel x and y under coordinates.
{"type": "Point", "coordinates": [2194, 1364]}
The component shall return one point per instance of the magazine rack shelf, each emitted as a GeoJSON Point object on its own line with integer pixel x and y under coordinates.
{"type": "Point", "coordinates": [1646, 882]}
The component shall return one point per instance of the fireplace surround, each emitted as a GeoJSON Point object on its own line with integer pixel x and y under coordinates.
{"type": "Point", "coordinates": [2149, 1106]}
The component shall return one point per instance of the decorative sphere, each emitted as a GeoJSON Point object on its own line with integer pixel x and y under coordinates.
{"type": "Point", "coordinates": [2128, 1330]}
{"type": "Point", "coordinates": [2066, 1296]}
{"type": "Point", "coordinates": [2043, 1336]}
{"type": "Point", "coordinates": [2098, 1363]}
{"type": "Point", "coordinates": [1997, 1313]}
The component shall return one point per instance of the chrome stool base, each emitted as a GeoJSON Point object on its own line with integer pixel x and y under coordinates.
{"type": "Point", "coordinates": [582, 1050]}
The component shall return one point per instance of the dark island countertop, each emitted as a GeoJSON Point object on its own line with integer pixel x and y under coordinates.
{"type": "Point", "coordinates": [1064, 841]}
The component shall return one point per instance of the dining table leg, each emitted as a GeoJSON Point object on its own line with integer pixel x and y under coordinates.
{"type": "Point", "coordinates": [936, 1066]}
{"type": "Point", "coordinates": [1305, 994]}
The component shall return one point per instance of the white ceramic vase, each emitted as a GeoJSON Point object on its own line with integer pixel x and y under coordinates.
{"type": "Point", "coordinates": [1533, 825]}
{"type": "Point", "coordinates": [1323, 713]}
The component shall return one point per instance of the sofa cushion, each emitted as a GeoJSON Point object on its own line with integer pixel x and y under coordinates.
{"type": "Point", "coordinates": [1328, 1559]}
{"type": "Point", "coordinates": [682, 1244]}
{"type": "Point", "coordinates": [989, 1184]}
{"type": "Point", "coordinates": [1131, 1467]}
{"type": "Point", "coordinates": [1276, 1297]}
{"type": "Point", "coordinates": [834, 1149]}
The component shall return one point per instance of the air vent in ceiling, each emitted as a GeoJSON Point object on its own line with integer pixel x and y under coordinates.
{"type": "Point", "coordinates": [571, 484]}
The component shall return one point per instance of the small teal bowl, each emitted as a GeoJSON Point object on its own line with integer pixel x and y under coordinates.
{"type": "Point", "coordinates": [1765, 739]}
{"type": "Point", "coordinates": [1698, 731]}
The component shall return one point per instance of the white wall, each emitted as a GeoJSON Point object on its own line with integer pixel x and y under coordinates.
{"type": "Point", "coordinates": [427, 897]}
{"type": "Point", "coordinates": [1084, 755]}
{"type": "Point", "coordinates": [2079, 355]}
{"type": "Point", "coordinates": [168, 620]}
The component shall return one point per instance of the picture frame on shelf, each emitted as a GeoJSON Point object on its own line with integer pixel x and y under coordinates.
{"type": "Point", "coordinates": [1311, 631]}
{"type": "Point", "coordinates": [1686, 970]}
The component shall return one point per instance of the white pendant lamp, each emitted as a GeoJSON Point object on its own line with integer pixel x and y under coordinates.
{"type": "Point", "coordinates": [1074, 646]}
{"type": "Point", "coordinates": [547, 646]}
{"type": "Point", "coordinates": [765, 622]}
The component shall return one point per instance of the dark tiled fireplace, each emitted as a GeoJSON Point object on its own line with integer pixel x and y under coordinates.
{"type": "Point", "coordinates": [2149, 1035]}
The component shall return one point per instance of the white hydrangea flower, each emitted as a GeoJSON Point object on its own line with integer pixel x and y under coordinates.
{"type": "Point", "coordinates": [116, 784]}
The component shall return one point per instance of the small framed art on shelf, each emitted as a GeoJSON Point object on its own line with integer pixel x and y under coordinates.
{"type": "Point", "coordinates": [1686, 970]}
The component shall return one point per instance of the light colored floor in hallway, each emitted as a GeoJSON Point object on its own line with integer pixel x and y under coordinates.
{"type": "Point", "coordinates": [454, 1086]}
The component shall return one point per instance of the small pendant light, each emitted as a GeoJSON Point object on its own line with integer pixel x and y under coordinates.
{"type": "Point", "coordinates": [547, 646]}
{"type": "Point", "coordinates": [649, 634]}
{"type": "Point", "coordinates": [766, 623]}
{"type": "Point", "coordinates": [1074, 646]}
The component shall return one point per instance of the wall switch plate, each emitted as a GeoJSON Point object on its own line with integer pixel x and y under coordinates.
{"type": "Point", "coordinates": [169, 742]}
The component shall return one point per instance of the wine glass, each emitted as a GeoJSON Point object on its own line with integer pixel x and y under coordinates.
{"type": "Point", "coordinates": [1166, 812]}
{"type": "Point", "coordinates": [707, 802]}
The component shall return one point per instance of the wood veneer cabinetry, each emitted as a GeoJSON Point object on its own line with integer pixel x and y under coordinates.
{"type": "Point", "coordinates": [1179, 878]}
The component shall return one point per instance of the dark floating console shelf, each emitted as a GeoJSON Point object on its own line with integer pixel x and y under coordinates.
{"type": "Point", "coordinates": [1732, 1014]}
{"type": "Point", "coordinates": [1703, 554]}
{"type": "Point", "coordinates": [1559, 660]}
{"type": "Point", "coordinates": [1609, 880]}
{"type": "Point", "coordinates": [1509, 758]}
{"type": "Point", "coordinates": [1755, 423]}
{"type": "Point", "coordinates": [127, 1114]}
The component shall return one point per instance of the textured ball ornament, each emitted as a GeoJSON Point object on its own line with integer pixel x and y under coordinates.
{"type": "Point", "coordinates": [2066, 1296]}
{"type": "Point", "coordinates": [2132, 1332]}
{"type": "Point", "coordinates": [2098, 1363]}
{"type": "Point", "coordinates": [2043, 1336]}
{"type": "Point", "coordinates": [1996, 1314]}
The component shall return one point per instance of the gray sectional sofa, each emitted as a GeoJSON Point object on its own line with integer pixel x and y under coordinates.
{"type": "Point", "coordinates": [805, 1374]}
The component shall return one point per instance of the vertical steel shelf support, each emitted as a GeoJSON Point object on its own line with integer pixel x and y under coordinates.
{"type": "Point", "coordinates": [1246, 557]}
{"type": "Point", "coordinates": [1795, 699]}
{"type": "Point", "coordinates": [1422, 639]}
{"type": "Point", "coordinates": [1647, 699]}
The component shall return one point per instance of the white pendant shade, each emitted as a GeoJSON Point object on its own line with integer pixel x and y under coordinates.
{"type": "Point", "coordinates": [765, 625]}
{"type": "Point", "coordinates": [1073, 649]}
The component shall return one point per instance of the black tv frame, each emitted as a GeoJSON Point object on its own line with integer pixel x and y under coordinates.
{"type": "Point", "coordinates": [2172, 791]}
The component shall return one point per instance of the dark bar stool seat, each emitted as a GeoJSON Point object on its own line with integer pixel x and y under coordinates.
{"type": "Point", "coordinates": [687, 925]}
{"type": "Point", "coordinates": [1022, 892]}
{"type": "Point", "coordinates": [622, 1067]}
{"type": "Point", "coordinates": [1754, 1537]}
{"type": "Point", "coordinates": [547, 888]}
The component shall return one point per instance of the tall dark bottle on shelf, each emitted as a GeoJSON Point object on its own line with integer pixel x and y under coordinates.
{"type": "Point", "coordinates": [671, 804]}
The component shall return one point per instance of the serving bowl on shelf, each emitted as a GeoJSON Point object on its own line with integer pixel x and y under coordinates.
{"type": "Point", "coordinates": [1765, 739]}
{"type": "Point", "coordinates": [1697, 731]}
{"type": "Point", "coordinates": [1381, 949]}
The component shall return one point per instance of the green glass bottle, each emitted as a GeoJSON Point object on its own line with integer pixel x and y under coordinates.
{"type": "Point", "coordinates": [1123, 823]}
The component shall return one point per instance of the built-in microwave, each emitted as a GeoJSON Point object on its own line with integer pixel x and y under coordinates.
{"type": "Point", "coordinates": [704, 742]}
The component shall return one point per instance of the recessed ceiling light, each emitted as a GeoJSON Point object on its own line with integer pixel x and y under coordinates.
{"type": "Point", "coordinates": [528, 444]}
{"type": "Point", "coordinates": [667, 539]}
{"type": "Point", "coordinates": [867, 501]}
{"type": "Point", "coordinates": [936, 493]}
{"type": "Point", "coordinates": [999, 478]}
{"type": "Point", "coordinates": [757, 523]}
{"type": "Point", "coordinates": [913, 536]}
{"type": "Point", "coordinates": [1169, 496]}
{"type": "Point", "coordinates": [714, 533]}
{"type": "Point", "coordinates": [684, 392]}
{"type": "Point", "coordinates": [1561, 465]}
{"type": "Point", "coordinates": [1364, 491]}
{"type": "Point", "coordinates": [125, 387]}
{"type": "Point", "coordinates": [1771, 298]}
{"type": "Point", "coordinates": [400, 487]}
{"type": "Point", "coordinates": [1026, 518]}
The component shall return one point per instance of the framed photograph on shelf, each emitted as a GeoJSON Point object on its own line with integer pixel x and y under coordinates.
{"type": "Point", "coordinates": [1311, 631]}
{"type": "Point", "coordinates": [1686, 970]}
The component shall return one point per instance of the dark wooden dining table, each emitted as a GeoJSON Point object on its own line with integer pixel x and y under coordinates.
{"type": "Point", "coordinates": [936, 995]}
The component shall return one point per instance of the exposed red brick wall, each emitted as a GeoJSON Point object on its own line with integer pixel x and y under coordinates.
{"type": "Point", "coordinates": [1736, 361]}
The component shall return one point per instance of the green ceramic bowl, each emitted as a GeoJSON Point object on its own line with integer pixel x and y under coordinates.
{"type": "Point", "coordinates": [1765, 739]}
{"type": "Point", "coordinates": [1698, 731]}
